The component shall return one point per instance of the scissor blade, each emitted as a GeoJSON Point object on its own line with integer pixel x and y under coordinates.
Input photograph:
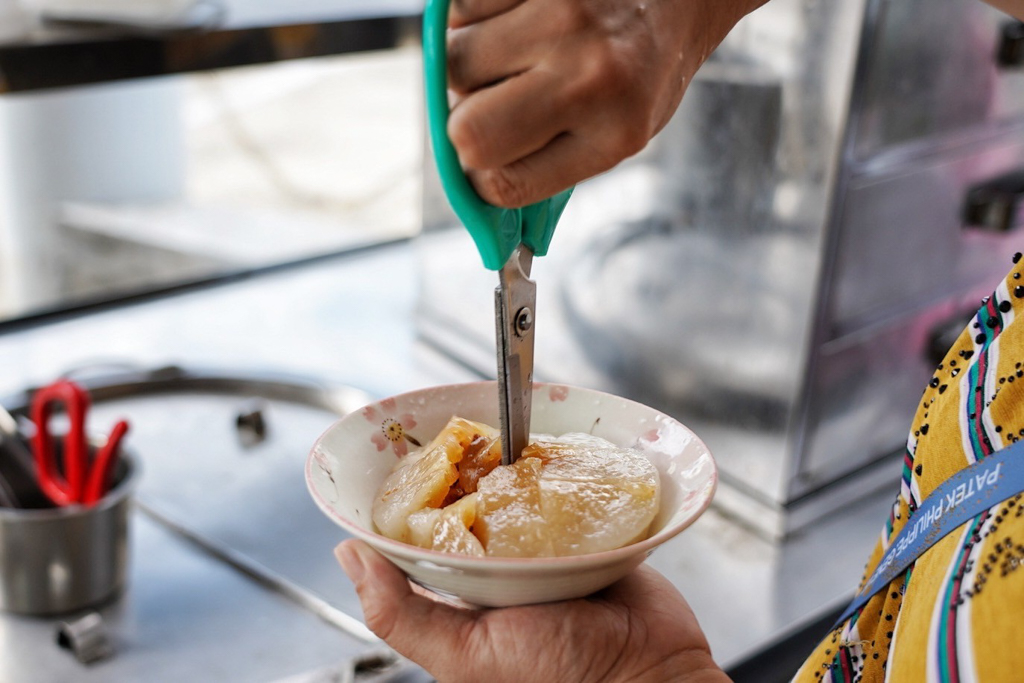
{"type": "Point", "coordinates": [515, 302]}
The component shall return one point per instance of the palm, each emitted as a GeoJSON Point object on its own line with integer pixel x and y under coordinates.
{"type": "Point", "coordinates": [588, 639]}
{"type": "Point", "coordinates": [640, 628]}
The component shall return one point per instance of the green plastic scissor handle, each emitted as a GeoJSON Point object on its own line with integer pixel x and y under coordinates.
{"type": "Point", "coordinates": [496, 231]}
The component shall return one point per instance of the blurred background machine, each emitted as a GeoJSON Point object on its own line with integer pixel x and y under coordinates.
{"type": "Point", "coordinates": [789, 259]}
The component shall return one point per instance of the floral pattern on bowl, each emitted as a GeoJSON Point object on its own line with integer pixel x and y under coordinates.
{"type": "Point", "coordinates": [394, 427]}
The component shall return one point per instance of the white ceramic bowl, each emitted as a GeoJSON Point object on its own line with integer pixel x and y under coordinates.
{"type": "Point", "coordinates": [351, 459]}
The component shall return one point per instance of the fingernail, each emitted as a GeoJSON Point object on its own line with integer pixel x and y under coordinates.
{"type": "Point", "coordinates": [350, 562]}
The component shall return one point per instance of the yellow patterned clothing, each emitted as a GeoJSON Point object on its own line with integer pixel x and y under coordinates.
{"type": "Point", "coordinates": [957, 614]}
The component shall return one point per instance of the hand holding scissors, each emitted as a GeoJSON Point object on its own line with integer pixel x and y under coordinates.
{"type": "Point", "coordinates": [507, 240]}
{"type": "Point", "coordinates": [84, 480]}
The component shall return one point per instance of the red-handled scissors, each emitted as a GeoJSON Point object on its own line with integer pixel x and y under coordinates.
{"type": "Point", "coordinates": [84, 480]}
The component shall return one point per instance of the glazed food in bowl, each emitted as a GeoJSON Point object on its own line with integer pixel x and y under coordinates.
{"type": "Point", "coordinates": [351, 460]}
{"type": "Point", "coordinates": [570, 495]}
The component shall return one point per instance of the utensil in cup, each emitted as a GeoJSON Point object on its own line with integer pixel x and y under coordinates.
{"type": "Point", "coordinates": [84, 478]}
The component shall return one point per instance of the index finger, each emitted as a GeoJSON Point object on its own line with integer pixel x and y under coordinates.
{"type": "Point", "coordinates": [464, 12]}
{"type": "Point", "coordinates": [427, 632]}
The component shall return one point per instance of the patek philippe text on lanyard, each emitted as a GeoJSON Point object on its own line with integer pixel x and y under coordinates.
{"type": "Point", "coordinates": [960, 498]}
{"type": "Point", "coordinates": [926, 519]}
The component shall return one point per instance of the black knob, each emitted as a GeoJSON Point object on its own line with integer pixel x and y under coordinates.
{"type": "Point", "coordinates": [996, 205]}
{"type": "Point", "coordinates": [945, 334]}
{"type": "Point", "coordinates": [1011, 44]}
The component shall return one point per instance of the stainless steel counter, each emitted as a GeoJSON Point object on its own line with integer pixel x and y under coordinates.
{"type": "Point", "coordinates": [349, 320]}
{"type": "Point", "coordinates": [185, 616]}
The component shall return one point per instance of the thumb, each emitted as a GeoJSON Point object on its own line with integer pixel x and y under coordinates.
{"type": "Point", "coordinates": [427, 632]}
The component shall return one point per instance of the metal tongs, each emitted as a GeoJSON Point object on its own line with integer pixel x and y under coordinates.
{"type": "Point", "coordinates": [507, 240]}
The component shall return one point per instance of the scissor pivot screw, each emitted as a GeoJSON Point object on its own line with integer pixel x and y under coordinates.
{"type": "Point", "coordinates": [524, 320]}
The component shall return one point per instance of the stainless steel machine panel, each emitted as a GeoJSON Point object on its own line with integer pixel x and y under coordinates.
{"type": "Point", "coordinates": [934, 69]}
{"type": "Point", "coordinates": [904, 239]}
{"type": "Point", "coordinates": [867, 386]}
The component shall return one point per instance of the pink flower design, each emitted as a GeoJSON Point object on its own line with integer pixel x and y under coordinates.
{"type": "Point", "coordinates": [393, 427]}
{"type": "Point", "coordinates": [652, 435]}
{"type": "Point", "coordinates": [558, 393]}
{"type": "Point", "coordinates": [321, 461]}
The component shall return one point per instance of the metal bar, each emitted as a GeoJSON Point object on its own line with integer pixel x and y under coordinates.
{"type": "Point", "coordinates": [267, 578]}
{"type": "Point", "coordinates": [115, 300]}
{"type": "Point", "coordinates": [83, 57]}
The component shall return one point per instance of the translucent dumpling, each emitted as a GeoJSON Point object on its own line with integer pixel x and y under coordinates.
{"type": "Point", "coordinates": [424, 479]}
{"type": "Point", "coordinates": [570, 495]}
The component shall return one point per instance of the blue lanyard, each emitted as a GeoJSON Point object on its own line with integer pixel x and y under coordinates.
{"type": "Point", "coordinates": [960, 498]}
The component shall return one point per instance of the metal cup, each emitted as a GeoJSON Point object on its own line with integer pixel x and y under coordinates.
{"type": "Point", "coordinates": [59, 560]}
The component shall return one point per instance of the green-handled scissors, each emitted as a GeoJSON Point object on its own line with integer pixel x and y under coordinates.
{"type": "Point", "coordinates": [507, 240]}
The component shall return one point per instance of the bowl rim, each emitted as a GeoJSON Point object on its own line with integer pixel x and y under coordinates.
{"type": "Point", "coordinates": [417, 554]}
